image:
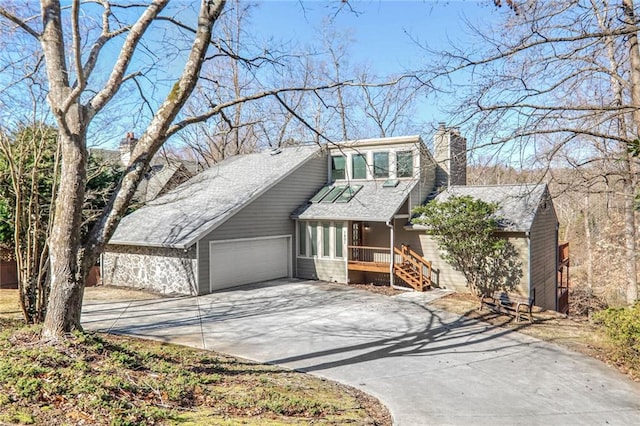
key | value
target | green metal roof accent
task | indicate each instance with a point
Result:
(349, 193)
(390, 183)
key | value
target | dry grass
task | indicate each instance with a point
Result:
(578, 334)
(9, 304)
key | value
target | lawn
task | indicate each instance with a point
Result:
(101, 379)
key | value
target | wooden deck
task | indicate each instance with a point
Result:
(408, 265)
(355, 265)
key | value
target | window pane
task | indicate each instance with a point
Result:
(339, 240)
(338, 163)
(359, 166)
(334, 194)
(314, 238)
(381, 164)
(404, 164)
(326, 236)
(302, 238)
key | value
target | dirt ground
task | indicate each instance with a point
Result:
(117, 293)
(575, 333)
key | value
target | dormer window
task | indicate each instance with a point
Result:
(381, 165)
(359, 166)
(404, 164)
(338, 167)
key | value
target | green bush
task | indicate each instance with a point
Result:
(622, 326)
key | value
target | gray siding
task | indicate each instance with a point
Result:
(332, 270)
(268, 215)
(443, 275)
(427, 182)
(544, 248)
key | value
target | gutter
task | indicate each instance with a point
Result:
(532, 291)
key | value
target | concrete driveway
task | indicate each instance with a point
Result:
(428, 366)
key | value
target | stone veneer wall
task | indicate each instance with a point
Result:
(158, 269)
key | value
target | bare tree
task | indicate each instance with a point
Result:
(28, 180)
(558, 82)
(75, 102)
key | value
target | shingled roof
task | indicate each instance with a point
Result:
(196, 207)
(372, 202)
(518, 204)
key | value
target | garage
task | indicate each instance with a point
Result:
(244, 261)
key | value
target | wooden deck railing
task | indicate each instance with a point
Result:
(409, 266)
(371, 259)
(563, 253)
(413, 268)
(563, 300)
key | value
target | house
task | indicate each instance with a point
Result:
(164, 172)
(529, 223)
(339, 213)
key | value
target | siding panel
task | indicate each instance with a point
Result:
(268, 215)
(444, 275)
(544, 247)
(331, 270)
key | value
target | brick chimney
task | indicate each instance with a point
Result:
(451, 157)
(126, 148)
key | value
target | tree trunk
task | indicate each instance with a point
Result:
(66, 256)
(587, 240)
(629, 181)
(70, 259)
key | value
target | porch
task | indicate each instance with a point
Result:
(407, 267)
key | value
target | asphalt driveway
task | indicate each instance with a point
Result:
(428, 366)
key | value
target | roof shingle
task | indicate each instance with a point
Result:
(182, 216)
(518, 204)
(372, 203)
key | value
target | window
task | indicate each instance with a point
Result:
(321, 194)
(359, 166)
(314, 238)
(326, 239)
(404, 164)
(348, 194)
(338, 167)
(381, 164)
(302, 238)
(334, 193)
(339, 242)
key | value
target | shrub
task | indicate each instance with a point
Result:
(622, 326)
(465, 230)
(584, 301)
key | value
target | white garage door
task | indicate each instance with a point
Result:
(244, 261)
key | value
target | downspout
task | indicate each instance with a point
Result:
(391, 245)
(555, 272)
(529, 272)
(393, 258)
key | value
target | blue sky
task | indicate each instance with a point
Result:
(382, 31)
(383, 34)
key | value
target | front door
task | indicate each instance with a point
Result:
(356, 239)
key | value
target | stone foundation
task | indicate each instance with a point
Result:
(161, 270)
